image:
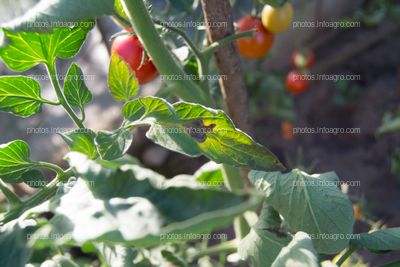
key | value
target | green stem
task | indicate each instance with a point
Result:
(209, 51)
(225, 247)
(346, 255)
(143, 26)
(12, 198)
(50, 102)
(45, 193)
(61, 98)
(201, 60)
(233, 181)
(184, 36)
(52, 167)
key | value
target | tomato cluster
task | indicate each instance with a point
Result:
(128, 47)
(273, 20)
(296, 80)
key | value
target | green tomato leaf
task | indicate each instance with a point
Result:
(173, 259)
(113, 145)
(261, 247)
(210, 174)
(122, 80)
(379, 240)
(60, 13)
(299, 252)
(14, 161)
(34, 178)
(81, 141)
(24, 50)
(20, 96)
(59, 261)
(117, 255)
(390, 126)
(14, 250)
(193, 129)
(136, 206)
(120, 10)
(310, 203)
(75, 89)
(264, 242)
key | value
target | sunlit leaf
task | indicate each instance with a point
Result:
(23, 50)
(14, 161)
(193, 129)
(20, 96)
(113, 145)
(122, 80)
(81, 141)
(75, 89)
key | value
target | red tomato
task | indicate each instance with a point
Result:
(131, 50)
(296, 82)
(257, 46)
(303, 59)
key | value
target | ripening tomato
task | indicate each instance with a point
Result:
(277, 19)
(302, 59)
(131, 50)
(296, 82)
(287, 130)
(357, 211)
(257, 46)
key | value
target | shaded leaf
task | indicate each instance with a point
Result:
(117, 255)
(14, 250)
(132, 205)
(34, 178)
(379, 240)
(265, 240)
(299, 252)
(173, 259)
(75, 89)
(193, 129)
(122, 80)
(59, 261)
(113, 145)
(20, 96)
(261, 247)
(52, 14)
(310, 203)
(14, 161)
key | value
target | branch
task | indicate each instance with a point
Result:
(228, 62)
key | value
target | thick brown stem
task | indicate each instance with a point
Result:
(219, 20)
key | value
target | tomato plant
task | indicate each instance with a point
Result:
(277, 19)
(130, 49)
(257, 46)
(113, 210)
(296, 82)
